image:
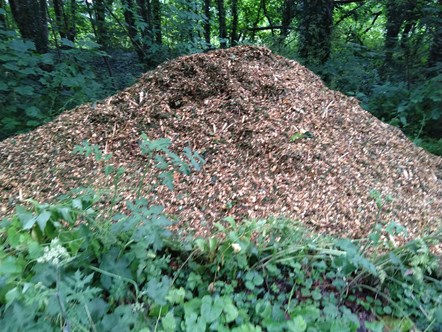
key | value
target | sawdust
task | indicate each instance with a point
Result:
(276, 141)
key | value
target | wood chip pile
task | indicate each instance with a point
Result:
(276, 141)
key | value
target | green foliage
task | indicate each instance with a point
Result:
(63, 265)
(36, 87)
(408, 107)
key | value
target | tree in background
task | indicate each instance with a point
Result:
(222, 23)
(288, 13)
(32, 22)
(384, 52)
(315, 30)
(234, 27)
(65, 18)
(207, 27)
(435, 56)
(2, 13)
(156, 22)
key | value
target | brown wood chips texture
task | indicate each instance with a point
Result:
(239, 107)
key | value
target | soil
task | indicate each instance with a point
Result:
(276, 140)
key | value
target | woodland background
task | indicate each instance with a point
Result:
(57, 54)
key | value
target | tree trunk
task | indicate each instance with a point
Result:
(207, 23)
(146, 16)
(129, 17)
(2, 14)
(222, 23)
(435, 55)
(316, 25)
(156, 21)
(234, 28)
(65, 23)
(287, 17)
(99, 7)
(31, 18)
(393, 27)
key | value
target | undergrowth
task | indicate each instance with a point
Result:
(73, 266)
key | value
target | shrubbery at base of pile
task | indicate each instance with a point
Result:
(76, 266)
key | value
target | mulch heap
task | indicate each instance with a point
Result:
(276, 140)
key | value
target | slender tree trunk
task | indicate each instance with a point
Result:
(31, 18)
(207, 23)
(222, 23)
(393, 27)
(99, 7)
(146, 16)
(287, 17)
(59, 17)
(316, 25)
(435, 55)
(129, 17)
(65, 23)
(234, 28)
(156, 21)
(72, 27)
(2, 16)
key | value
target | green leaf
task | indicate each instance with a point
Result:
(33, 112)
(211, 309)
(230, 311)
(176, 296)
(158, 290)
(10, 265)
(375, 326)
(296, 136)
(309, 313)
(67, 42)
(298, 324)
(168, 322)
(24, 90)
(27, 218)
(11, 295)
(167, 179)
(43, 218)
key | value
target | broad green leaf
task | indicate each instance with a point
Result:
(176, 295)
(211, 308)
(27, 218)
(168, 322)
(24, 90)
(10, 265)
(230, 311)
(297, 324)
(375, 326)
(43, 218)
(11, 295)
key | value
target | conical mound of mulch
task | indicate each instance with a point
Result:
(277, 142)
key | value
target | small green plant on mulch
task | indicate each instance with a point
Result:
(73, 266)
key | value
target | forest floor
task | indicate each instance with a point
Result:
(276, 140)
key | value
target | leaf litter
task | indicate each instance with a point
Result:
(276, 140)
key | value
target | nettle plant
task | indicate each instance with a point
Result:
(75, 266)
